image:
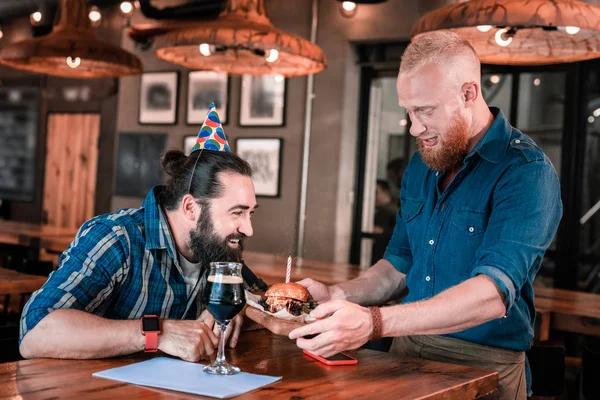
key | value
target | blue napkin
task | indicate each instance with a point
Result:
(182, 376)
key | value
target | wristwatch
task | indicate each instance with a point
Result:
(151, 329)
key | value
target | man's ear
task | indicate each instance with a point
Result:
(470, 92)
(190, 208)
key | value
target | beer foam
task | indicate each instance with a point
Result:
(227, 279)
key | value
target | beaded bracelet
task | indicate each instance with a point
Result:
(377, 323)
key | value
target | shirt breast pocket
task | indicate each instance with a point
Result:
(468, 228)
(410, 209)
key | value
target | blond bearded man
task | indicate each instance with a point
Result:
(480, 204)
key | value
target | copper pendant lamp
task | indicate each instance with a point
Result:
(522, 32)
(241, 41)
(71, 50)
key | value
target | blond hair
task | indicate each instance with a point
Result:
(439, 47)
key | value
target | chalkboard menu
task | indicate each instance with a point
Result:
(19, 121)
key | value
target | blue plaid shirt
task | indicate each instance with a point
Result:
(497, 217)
(122, 266)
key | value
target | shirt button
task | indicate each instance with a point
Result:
(427, 278)
(517, 141)
(471, 229)
(431, 242)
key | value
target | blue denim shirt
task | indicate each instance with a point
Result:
(497, 217)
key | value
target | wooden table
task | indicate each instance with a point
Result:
(13, 282)
(36, 235)
(377, 375)
(569, 311)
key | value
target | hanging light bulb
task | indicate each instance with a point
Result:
(273, 55)
(503, 38)
(73, 62)
(572, 30)
(95, 16)
(348, 9)
(35, 18)
(537, 81)
(126, 8)
(484, 28)
(494, 79)
(205, 49)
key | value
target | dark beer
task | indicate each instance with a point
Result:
(224, 296)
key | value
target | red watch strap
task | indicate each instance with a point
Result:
(151, 342)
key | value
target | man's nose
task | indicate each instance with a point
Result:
(416, 127)
(246, 227)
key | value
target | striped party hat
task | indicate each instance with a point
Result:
(211, 135)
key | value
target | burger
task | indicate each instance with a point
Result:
(292, 297)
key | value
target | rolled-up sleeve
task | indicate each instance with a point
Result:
(526, 211)
(88, 272)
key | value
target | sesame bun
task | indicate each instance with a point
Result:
(289, 290)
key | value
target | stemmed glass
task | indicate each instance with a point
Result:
(224, 298)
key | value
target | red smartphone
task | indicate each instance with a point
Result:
(336, 359)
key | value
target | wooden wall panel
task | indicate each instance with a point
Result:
(71, 164)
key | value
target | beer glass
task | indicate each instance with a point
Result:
(224, 298)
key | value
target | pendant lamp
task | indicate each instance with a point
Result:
(518, 32)
(241, 40)
(71, 50)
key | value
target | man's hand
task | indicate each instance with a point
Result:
(348, 327)
(232, 333)
(234, 326)
(187, 339)
(319, 292)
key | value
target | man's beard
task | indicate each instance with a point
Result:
(208, 247)
(451, 149)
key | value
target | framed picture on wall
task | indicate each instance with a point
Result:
(188, 142)
(158, 98)
(264, 156)
(262, 100)
(205, 87)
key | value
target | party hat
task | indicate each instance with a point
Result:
(211, 135)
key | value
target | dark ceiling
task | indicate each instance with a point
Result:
(201, 9)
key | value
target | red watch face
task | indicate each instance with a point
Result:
(150, 324)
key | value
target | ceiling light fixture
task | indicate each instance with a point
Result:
(95, 16)
(348, 9)
(72, 37)
(241, 41)
(533, 32)
(73, 62)
(35, 18)
(126, 8)
(504, 37)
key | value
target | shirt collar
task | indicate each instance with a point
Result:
(494, 143)
(156, 226)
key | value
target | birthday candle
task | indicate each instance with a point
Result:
(288, 272)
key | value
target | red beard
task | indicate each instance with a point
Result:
(451, 149)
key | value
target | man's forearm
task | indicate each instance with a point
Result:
(379, 284)
(471, 303)
(76, 334)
